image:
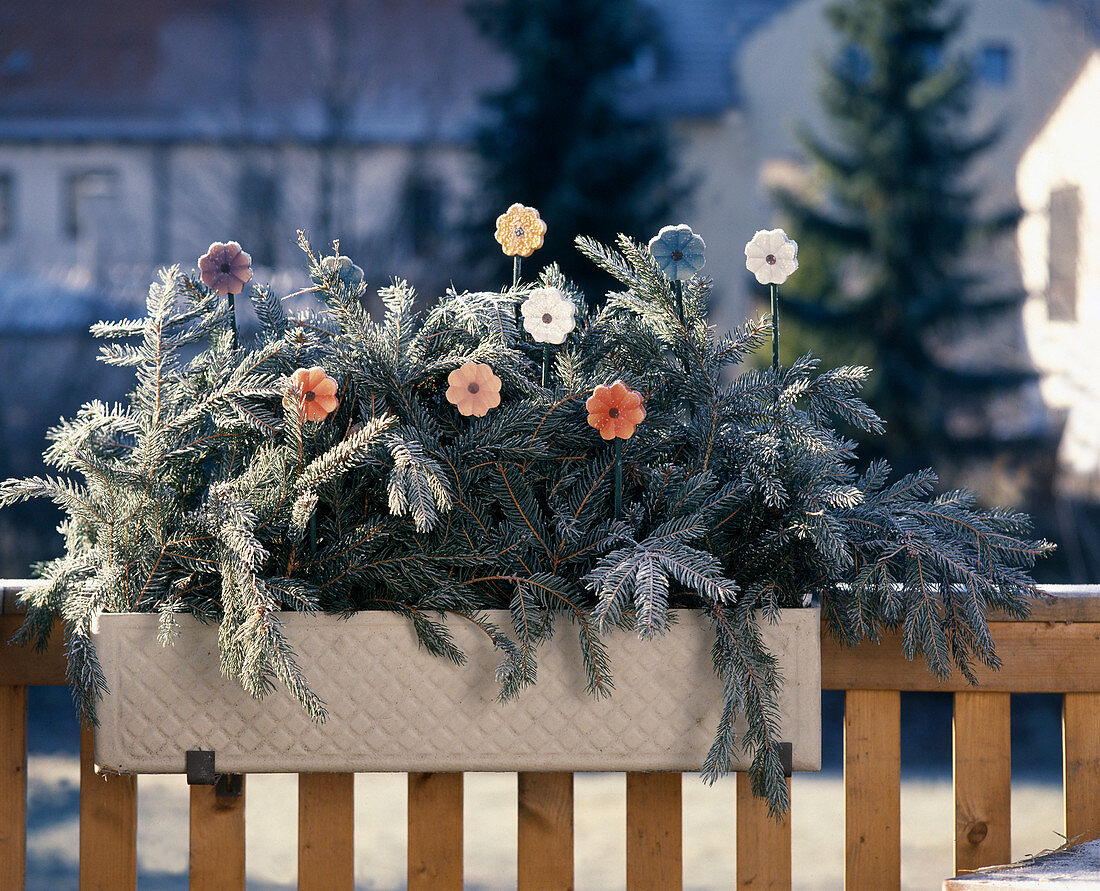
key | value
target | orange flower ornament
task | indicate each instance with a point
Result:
(313, 393)
(520, 231)
(615, 411)
(474, 389)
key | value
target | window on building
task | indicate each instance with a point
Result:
(259, 223)
(995, 64)
(89, 198)
(422, 200)
(7, 205)
(1065, 214)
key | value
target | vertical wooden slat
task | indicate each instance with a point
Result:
(326, 831)
(654, 831)
(217, 839)
(872, 789)
(13, 786)
(983, 780)
(545, 831)
(108, 825)
(1081, 767)
(435, 831)
(763, 845)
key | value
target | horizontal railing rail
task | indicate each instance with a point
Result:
(1057, 650)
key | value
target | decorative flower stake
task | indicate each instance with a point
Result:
(615, 411)
(771, 256)
(548, 316)
(226, 269)
(313, 394)
(345, 270)
(679, 253)
(520, 232)
(474, 389)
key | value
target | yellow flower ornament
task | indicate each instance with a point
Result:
(520, 231)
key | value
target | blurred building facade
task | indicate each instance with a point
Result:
(1059, 186)
(134, 133)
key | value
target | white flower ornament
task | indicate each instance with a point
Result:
(771, 256)
(548, 315)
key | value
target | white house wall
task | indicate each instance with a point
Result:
(170, 201)
(39, 173)
(1064, 153)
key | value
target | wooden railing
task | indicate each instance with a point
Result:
(1057, 651)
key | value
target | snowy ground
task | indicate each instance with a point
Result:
(490, 845)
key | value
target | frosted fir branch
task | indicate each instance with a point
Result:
(417, 484)
(346, 455)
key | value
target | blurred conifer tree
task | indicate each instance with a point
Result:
(895, 226)
(557, 139)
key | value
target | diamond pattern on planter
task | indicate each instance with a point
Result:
(394, 707)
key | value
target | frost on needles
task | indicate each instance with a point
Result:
(207, 493)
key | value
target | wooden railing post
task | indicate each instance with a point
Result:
(435, 832)
(654, 831)
(326, 831)
(763, 845)
(545, 831)
(108, 824)
(13, 786)
(983, 780)
(1081, 765)
(872, 789)
(217, 839)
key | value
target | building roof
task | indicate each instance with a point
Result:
(353, 70)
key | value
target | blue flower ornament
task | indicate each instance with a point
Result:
(678, 251)
(345, 270)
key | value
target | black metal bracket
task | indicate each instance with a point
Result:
(201, 772)
(200, 768)
(786, 758)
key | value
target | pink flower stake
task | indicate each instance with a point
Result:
(225, 269)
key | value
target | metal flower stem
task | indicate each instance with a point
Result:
(233, 321)
(515, 284)
(618, 509)
(545, 365)
(678, 290)
(775, 327)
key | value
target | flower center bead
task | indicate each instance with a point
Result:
(225, 267)
(472, 387)
(310, 395)
(612, 412)
(770, 259)
(547, 318)
(677, 256)
(519, 232)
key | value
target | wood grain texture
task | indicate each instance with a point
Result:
(1081, 765)
(545, 831)
(13, 786)
(326, 831)
(763, 845)
(872, 790)
(22, 665)
(435, 831)
(108, 825)
(654, 831)
(983, 779)
(217, 839)
(1039, 657)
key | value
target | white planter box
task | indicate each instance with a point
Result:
(394, 707)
